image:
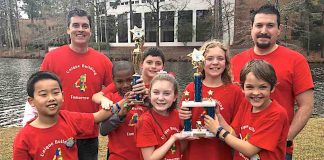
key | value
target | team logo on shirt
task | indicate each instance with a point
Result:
(58, 154)
(247, 137)
(254, 157)
(81, 83)
(173, 148)
(133, 120)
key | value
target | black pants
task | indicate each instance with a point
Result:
(108, 154)
(88, 149)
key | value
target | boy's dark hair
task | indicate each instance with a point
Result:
(155, 52)
(40, 75)
(122, 65)
(169, 78)
(77, 12)
(266, 9)
(261, 70)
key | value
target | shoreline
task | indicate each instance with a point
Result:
(172, 54)
(179, 58)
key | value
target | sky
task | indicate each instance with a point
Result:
(22, 13)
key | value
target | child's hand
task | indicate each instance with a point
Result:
(211, 124)
(106, 103)
(184, 113)
(139, 87)
(125, 105)
(180, 136)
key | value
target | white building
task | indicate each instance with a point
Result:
(182, 22)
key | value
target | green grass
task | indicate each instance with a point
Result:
(308, 144)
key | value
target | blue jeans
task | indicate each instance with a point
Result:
(88, 149)
(288, 156)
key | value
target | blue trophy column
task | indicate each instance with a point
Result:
(198, 98)
(211, 111)
(135, 78)
(198, 87)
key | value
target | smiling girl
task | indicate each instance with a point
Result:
(216, 80)
(157, 131)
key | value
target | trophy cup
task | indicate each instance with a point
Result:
(138, 37)
(208, 103)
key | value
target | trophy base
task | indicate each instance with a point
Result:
(209, 103)
(199, 133)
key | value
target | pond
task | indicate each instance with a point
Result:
(15, 72)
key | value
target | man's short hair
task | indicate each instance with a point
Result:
(266, 9)
(77, 12)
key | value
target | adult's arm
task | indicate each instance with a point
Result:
(305, 102)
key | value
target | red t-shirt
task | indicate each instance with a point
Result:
(229, 97)
(292, 71)
(121, 140)
(111, 88)
(48, 143)
(82, 75)
(149, 133)
(266, 129)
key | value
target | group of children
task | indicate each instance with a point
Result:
(255, 126)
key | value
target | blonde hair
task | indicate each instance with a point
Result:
(226, 75)
(169, 78)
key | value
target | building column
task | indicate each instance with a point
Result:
(175, 30)
(128, 27)
(143, 21)
(159, 23)
(116, 24)
(194, 26)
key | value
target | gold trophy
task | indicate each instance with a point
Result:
(208, 103)
(138, 37)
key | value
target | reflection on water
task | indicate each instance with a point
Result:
(14, 75)
(15, 72)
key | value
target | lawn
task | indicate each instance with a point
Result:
(308, 144)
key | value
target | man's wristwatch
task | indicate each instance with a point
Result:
(289, 143)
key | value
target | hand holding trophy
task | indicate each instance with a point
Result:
(208, 103)
(138, 37)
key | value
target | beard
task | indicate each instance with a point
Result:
(263, 45)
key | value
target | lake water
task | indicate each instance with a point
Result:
(15, 72)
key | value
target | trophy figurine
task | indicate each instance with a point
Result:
(208, 103)
(138, 37)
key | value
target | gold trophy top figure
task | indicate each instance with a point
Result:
(197, 60)
(138, 37)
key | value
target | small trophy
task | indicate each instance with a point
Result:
(208, 103)
(138, 37)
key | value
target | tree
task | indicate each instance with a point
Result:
(32, 9)
(8, 25)
(223, 16)
(307, 28)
